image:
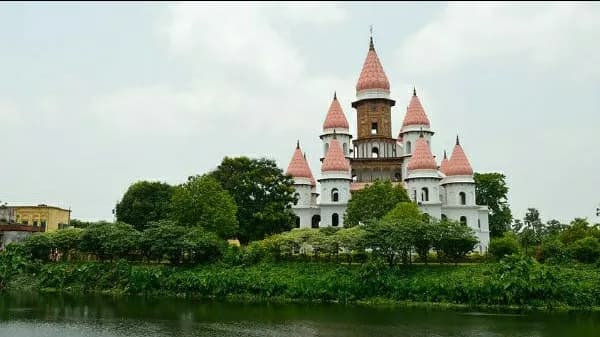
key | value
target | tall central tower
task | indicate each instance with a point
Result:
(376, 154)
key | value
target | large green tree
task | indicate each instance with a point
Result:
(144, 202)
(491, 190)
(202, 202)
(263, 194)
(373, 202)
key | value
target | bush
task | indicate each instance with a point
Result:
(586, 250)
(553, 251)
(163, 239)
(503, 246)
(38, 246)
(66, 241)
(110, 240)
(202, 246)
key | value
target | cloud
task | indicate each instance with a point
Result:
(543, 36)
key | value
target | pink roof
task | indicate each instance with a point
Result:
(444, 164)
(372, 75)
(298, 167)
(415, 114)
(335, 116)
(335, 160)
(458, 165)
(422, 158)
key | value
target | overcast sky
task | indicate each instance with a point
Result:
(96, 96)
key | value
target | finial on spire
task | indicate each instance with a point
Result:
(371, 45)
(445, 156)
(335, 95)
(334, 134)
(414, 91)
(457, 141)
(304, 155)
(421, 133)
(298, 144)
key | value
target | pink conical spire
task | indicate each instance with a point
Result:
(335, 160)
(458, 165)
(421, 159)
(372, 75)
(444, 164)
(335, 116)
(415, 114)
(298, 167)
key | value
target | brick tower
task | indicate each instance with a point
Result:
(376, 153)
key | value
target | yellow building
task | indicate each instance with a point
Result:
(49, 217)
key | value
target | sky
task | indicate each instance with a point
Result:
(94, 97)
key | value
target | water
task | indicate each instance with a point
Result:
(93, 316)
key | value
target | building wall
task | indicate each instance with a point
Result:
(7, 214)
(374, 111)
(53, 217)
(452, 193)
(476, 219)
(343, 138)
(12, 236)
(327, 212)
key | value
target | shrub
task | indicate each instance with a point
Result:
(553, 251)
(66, 241)
(38, 246)
(586, 250)
(503, 246)
(110, 240)
(202, 246)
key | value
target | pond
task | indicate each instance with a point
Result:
(53, 315)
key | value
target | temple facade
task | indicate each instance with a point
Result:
(348, 164)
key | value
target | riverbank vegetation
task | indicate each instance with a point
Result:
(173, 240)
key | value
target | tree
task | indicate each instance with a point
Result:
(404, 210)
(144, 202)
(202, 202)
(586, 250)
(491, 190)
(163, 239)
(578, 229)
(389, 239)
(373, 202)
(203, 246)
(38, 246)
(110, 240)
(455, 240)
(263, 194)
(66, 241)
(503, 246)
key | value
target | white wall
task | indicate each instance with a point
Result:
(343, 138)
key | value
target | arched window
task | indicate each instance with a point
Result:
(335, 220)
(296, 198)
(345, 149)
(444, 217)
(335, 195)
(373, 128)
(425, 194)
(463, 198)
(408, 148)
(316, 220)
(297, 222)
(463, 220)
(375, 152)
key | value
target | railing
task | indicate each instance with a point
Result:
(19, 228)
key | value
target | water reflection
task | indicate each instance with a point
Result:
(31, 315)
